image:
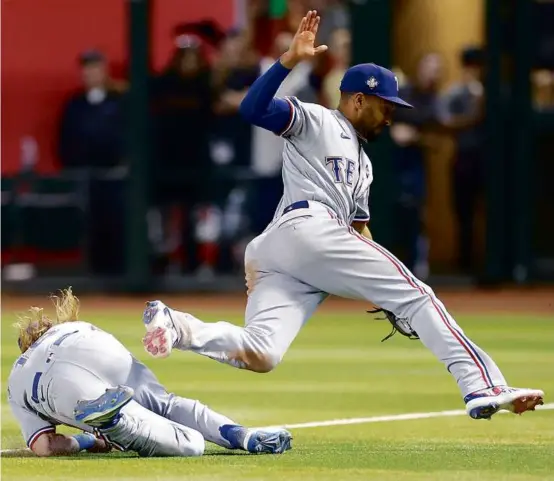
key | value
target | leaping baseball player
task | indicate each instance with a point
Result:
(319, 242)
(72, 373)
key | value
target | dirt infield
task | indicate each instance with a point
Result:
(532, 300)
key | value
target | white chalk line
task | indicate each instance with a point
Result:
(382, 419)
(347, 421)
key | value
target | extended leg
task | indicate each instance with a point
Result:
(150, 394)
(349, 265)
(277, 309)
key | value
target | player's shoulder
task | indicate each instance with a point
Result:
(309, 107)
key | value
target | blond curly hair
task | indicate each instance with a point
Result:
(34, 323)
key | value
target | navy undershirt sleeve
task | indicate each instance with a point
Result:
(260, 108)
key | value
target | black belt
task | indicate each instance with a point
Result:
(301, 204)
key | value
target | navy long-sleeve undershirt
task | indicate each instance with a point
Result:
(261, 108)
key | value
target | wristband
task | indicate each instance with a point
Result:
(85, 440)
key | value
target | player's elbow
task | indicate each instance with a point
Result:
(43, 452)
(247, 109)
(43, 446)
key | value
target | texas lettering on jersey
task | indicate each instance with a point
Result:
(342, 174)
(323, 161)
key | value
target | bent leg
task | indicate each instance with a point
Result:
(149, 434)
(150, 394)
(199, 417)
(138, 429)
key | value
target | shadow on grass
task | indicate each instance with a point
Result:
(26, 453)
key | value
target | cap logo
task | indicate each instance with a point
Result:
(372, 83)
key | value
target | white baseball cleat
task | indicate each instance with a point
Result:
(483, 404)
(160, 329)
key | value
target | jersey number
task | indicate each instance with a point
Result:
(342, 169)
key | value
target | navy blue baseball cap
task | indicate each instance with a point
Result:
(371, 79)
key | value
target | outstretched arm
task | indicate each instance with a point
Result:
(52, 444)
(259, 107)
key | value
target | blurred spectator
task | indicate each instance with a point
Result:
(92, 128)
(182, 101)
(234, 71)
(340, 46)
(268, 19)
(92, 140)
(182, 107)
(407, 133)
(462, 110)
(334, 16)
(400, 76)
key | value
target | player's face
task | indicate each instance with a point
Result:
(374, 115)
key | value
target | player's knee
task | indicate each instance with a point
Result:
(257, 355)
(259, 352)
(265, 362)
(259, 360)
(196, 444)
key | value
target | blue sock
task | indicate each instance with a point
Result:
(235, 434)
(85, 440)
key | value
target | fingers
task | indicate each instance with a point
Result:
(314, 22)
(315, 25)
(302, 25)
(309, 23)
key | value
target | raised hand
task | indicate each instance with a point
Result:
(302, 46)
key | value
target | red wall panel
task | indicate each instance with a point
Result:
(41, 40)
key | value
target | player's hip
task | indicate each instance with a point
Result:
(263, 246)
(292, 239)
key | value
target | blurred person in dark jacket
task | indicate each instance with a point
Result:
(407, 133)
(462, 111)
(235, 71)
(182, 107)
(92, 125)
(92, 141)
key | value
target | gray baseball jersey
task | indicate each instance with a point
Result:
(75, 361)
(323, 161)
(25, 395)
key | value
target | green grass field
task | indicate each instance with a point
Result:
(337, 368)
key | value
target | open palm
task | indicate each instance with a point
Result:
(303, 46)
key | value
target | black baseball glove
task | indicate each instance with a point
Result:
(398, 325)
